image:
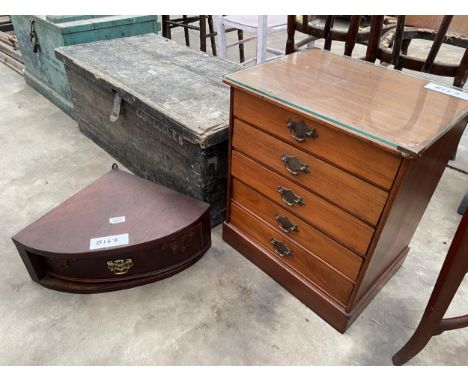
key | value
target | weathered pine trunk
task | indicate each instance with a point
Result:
(170, 111)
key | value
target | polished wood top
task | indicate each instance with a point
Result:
(384, 105)
(152, 212)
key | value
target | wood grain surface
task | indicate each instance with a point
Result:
(341, 188)
(307, 236)
(329, 219)
(387, 106)
(152, 212)
(167, 232)
(315, 270)
(361, 158)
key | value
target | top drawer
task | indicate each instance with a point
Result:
(361, 158)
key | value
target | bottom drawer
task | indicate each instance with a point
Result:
(131, 264)
(315, 270)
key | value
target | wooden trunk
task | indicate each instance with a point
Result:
(43, 71)
(171, 111)
(76, 247)
(332, 163)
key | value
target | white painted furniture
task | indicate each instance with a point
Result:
(262, 26)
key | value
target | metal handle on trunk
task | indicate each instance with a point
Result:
(116, 108)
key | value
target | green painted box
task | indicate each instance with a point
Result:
(38, 37)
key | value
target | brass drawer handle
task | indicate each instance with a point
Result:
(294, 165)
(281, 249)
(120, 267)
(285, 224)
(289, 197)
(300, 131)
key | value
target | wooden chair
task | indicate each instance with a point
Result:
(186, 23)
(450, 277)
(357, 32)
(392, 47)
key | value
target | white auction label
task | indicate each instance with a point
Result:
(117, 220)
(447, 90)
(108, 241)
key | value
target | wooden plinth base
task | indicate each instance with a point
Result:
(331, 311)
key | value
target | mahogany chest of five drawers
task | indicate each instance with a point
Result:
(332, 162)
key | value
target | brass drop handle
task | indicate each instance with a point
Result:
(281, 249)
(294, 165)
(285, 224)
(300, 131)
(289, 197)
(120, 267)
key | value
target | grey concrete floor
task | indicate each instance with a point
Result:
(221, 311)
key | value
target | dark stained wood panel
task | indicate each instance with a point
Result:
(68, 228)
(76, 248)
(415, 186)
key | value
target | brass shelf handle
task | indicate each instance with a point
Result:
(120, 267)
(289, 197)
(300, 131)
(294, 165)
(285, 224)
(281, 249)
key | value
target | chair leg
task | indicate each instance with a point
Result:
(212, 34)
(261, 38)
(291, 33)
(221, 36)
(405, 46)
(203, 33)
(186, 31)
(166, 28)
(450, 277)
(416, 343)
(240, 37)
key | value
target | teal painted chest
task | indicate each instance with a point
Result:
(38, 37)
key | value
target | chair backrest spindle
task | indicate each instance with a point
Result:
(400, 29)
(439, 39)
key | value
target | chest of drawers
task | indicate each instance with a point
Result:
(332, 162)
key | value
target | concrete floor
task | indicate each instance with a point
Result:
(221, 311)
